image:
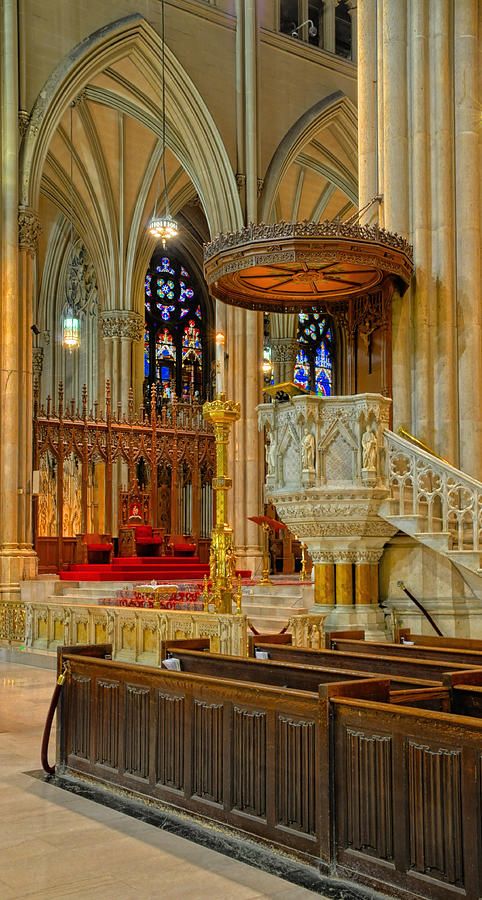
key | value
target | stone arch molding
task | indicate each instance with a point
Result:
(197, 142)
(336, 108)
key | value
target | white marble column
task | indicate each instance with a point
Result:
(443, 255)
(353, 13)
(121, 330)
(367, 109)
(251, 109)
(395, 189)
(17, 559)
(424, 316)
(467, 233)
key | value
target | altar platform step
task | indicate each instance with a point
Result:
(139, 568)
(269, 607)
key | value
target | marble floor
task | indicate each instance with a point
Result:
(55, 845)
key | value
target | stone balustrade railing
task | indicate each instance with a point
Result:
(443, 497)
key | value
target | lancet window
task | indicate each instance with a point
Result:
(174, 340)
(314, 362)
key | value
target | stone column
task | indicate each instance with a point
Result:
(121, 328)
(17, 559)
(362, 583)
(329, 7)
(251, 109)
(324, 583)
(284, 345)
(395, 187)
(467, 233)
(344, 584)
(423, 332)
(443, 257)
(367, 109)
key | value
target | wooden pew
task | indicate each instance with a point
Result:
(465, 693)
(404, 690)
(419, 651)
(383, 665)
(253, 639)
(350, 634)
(340, 778)
(429, 640)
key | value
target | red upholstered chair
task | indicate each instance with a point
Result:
(95, 548)
(180, 546)
(149, 540)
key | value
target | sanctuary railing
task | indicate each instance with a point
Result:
(444, 499)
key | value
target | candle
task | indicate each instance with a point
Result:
(219, 362)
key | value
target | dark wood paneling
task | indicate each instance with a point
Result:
(249, 761)
(136, 725)
(108, 723)
(170, 744)
(435, 812)
(369, 822)
(80, 716)
(208, 751)
(296, 774)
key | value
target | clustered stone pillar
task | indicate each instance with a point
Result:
(347, 582)
(20, 229)
(419, 148)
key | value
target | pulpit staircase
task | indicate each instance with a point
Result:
(436, 504)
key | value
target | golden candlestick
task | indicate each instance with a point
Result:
(303, 563)
(266, 560)
(222, 559)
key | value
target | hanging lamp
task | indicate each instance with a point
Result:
(163, 226)
(71, 322)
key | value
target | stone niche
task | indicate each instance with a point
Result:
(325, 461)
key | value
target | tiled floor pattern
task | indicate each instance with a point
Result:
(56, 845)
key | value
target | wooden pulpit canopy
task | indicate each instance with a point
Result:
(291, 266)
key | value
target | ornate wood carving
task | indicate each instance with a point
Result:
(296, 775)
(136, 727)
(249, 761)
(369, 775)
(80, 700)
(208, 751)
(170, 744)
(435, 812)
(108, 723)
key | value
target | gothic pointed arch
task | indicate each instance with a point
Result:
(332, 162)
(192, 134)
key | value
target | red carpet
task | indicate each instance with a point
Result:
(140, 568)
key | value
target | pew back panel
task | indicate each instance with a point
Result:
(408, 798)
(418, 651)
(429, 640)
(292, 673)
(189, 741)
(381, 665)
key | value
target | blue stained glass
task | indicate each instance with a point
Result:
(147, 286)
(184, 272)
(165, 373)
(185, 293)
(165, 311)
(165, 289)
(184, 312)
(198, 312)
(166, 266)
(146, 354)
(302, 369)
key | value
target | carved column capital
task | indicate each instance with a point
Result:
(23, 122)
(28, 229)
(284, 350)
(122, 323)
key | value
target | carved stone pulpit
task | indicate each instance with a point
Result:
(326, 478)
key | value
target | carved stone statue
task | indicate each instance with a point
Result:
(369, 448)
(308, 451)
(270, 451)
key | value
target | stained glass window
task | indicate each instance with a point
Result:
(314, 363)
(174, 337)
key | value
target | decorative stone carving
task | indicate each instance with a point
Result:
(37, 361)
(122, 323)
(240, 181)
(284, 350)
(23, 122)
(81, 288)
(28, 230)
(318, 484)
